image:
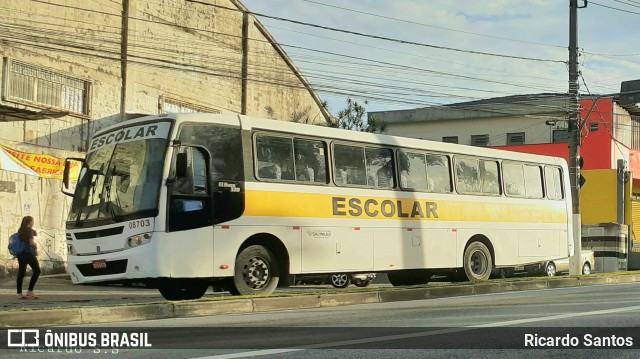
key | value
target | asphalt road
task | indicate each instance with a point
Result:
(480, 326)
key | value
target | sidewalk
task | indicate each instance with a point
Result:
(57, 291)
(63, 303)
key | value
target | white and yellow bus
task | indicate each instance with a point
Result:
(194, 200)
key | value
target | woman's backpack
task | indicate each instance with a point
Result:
(16, 245)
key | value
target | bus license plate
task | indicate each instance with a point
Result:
(99, 264)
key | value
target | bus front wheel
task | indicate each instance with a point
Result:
(477, 262)
(256, 272)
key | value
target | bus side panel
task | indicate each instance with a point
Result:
(440, 247)
(188, 253)
(506, 248)
(535, 245)
(406, 248)
(326, 248)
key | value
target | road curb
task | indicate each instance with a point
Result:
(113, 314)
(593, 280)
(489, 288)
(39, 318)
(563, 283)
(286, 303)
(96, 315)
(454, 291)
(404, 295)
(528, 285)
(204, 308)
(340, 299)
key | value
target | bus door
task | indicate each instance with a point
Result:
(190, 201)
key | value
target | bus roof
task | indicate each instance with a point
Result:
(329, 133)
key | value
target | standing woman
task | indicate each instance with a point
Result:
(27, 234)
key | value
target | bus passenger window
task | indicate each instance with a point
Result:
(341, 176)
(553, 180)
(513, 179)
(413, 171)
(349, 160)
(533, 181)
(380, 167)
(467, 180)
(310, 161)
(489, 177)
(304, 171)
(275, 160)
(438, 173)
(224, 145)
(270, 171)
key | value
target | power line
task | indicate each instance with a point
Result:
(398, 66)
(631, 3)
(614, 8)
(399, 52)
(161, 62)
(432, 26)
(384, 38)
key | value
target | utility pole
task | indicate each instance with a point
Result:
(124, 54)
(574, 134)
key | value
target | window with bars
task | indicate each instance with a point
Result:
(561, 135)
(172, 105)
(450, 139)
(480, 140)
(41, 87)
(516, 138)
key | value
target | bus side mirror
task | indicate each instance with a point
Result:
(71, 171)
(181, 165)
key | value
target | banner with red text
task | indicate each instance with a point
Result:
(35, 164)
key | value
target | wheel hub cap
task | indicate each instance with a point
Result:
(256, 273)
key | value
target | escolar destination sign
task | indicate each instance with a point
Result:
(129, 134)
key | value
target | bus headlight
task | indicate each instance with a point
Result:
(138, 240)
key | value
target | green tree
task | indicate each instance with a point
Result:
(352, 117)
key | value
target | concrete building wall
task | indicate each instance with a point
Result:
(497, 128)
(176, 51)
(495, 117)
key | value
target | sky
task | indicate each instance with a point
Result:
(404, 54)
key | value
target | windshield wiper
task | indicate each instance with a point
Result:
(93, 188)
(108, 186)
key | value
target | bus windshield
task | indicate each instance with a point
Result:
(122, 174)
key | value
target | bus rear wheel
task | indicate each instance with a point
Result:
(183, 289)
(256, 272)
(477, 262)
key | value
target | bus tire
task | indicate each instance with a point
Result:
(408, 277)
(183, 289)
(477, 262)
(256, 272)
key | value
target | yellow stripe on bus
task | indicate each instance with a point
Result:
(289, 204)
